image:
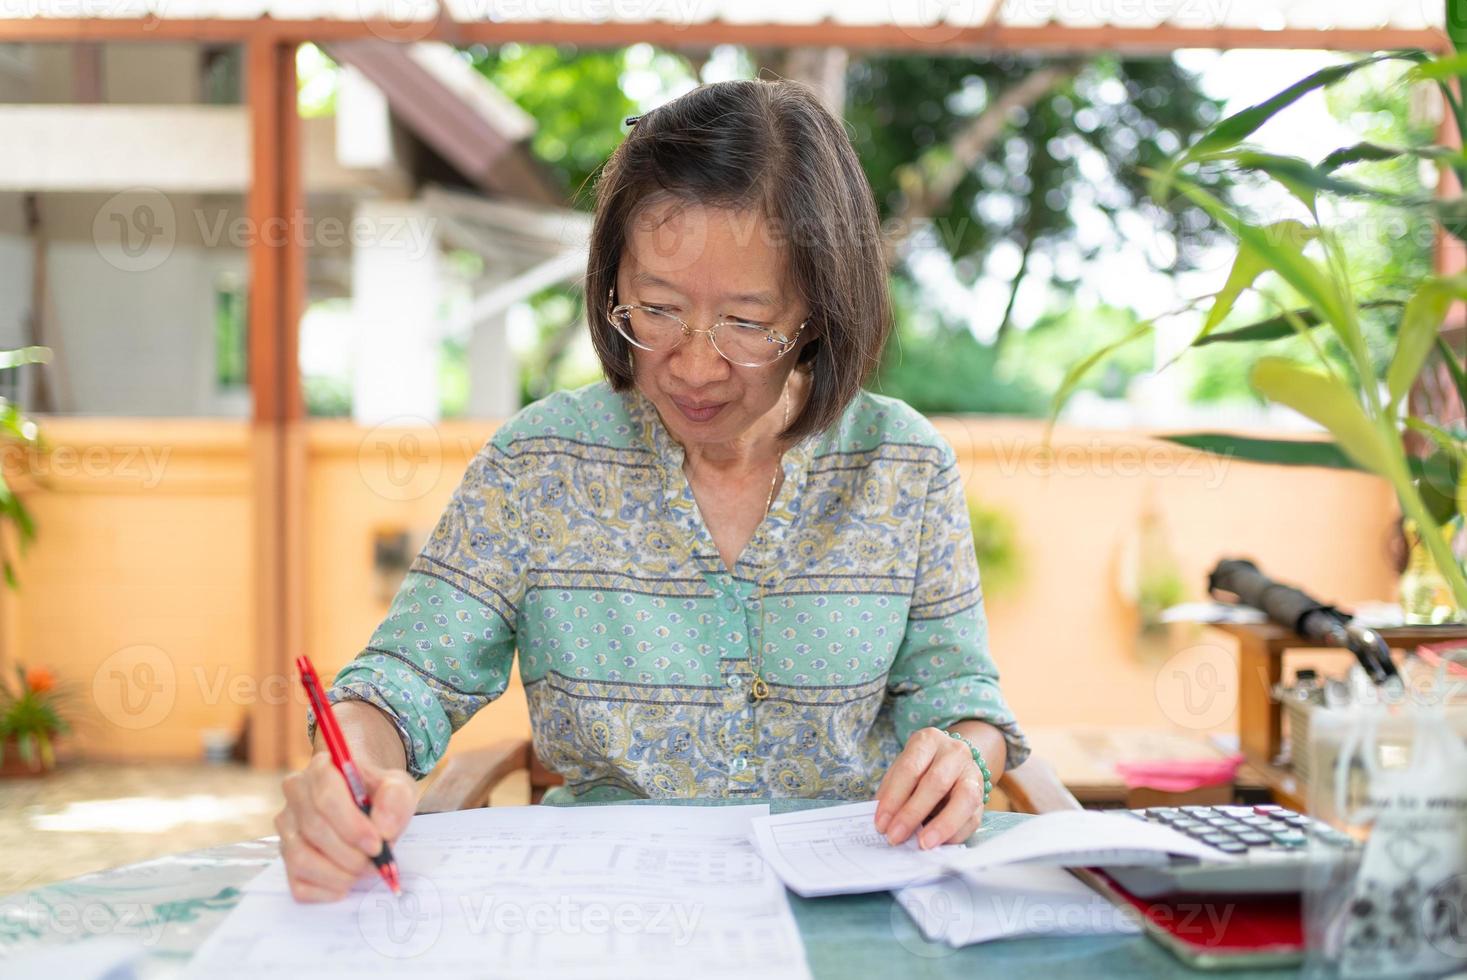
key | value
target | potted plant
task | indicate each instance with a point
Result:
(1364, 408)
(30, 721)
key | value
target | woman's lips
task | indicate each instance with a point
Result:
(698, 411)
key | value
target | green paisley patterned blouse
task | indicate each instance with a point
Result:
(575, 539)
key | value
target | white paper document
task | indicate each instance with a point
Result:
(549, 892)
(837, 851)
(998, 903)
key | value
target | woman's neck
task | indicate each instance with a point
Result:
(755, 448)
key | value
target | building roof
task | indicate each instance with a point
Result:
(869, 23)
(1260, 14)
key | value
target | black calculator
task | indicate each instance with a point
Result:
(1276, 848)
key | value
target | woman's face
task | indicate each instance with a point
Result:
(706, 264)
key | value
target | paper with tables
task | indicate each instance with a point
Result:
(550, 892)
(836, 850)
(1019, 900)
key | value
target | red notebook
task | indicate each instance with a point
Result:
(1216, 931)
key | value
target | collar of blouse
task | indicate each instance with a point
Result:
(757, 560)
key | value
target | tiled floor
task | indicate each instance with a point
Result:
(90, 816)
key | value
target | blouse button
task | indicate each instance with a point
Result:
(735, 681)
(740, 764)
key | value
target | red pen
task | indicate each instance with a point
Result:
(341, 758)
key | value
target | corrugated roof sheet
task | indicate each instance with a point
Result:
(916, 14)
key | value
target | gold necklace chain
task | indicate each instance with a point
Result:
(759, 689)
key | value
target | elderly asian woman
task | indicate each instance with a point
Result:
(727, 569)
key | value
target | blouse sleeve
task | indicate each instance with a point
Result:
(943, 673)
(447, 644)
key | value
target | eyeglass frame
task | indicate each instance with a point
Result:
(787, 344)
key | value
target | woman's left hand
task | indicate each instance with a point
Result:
(933, 781)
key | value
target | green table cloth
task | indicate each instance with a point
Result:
(170, 904)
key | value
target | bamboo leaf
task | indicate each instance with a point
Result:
(1368, 152)
(1420, 326)
(1278, 452)
(1332, 404)
(1077, 373)
(1456, 27)
(1450, 444)
(1279, 327)
(1285, 257)
(1439, 68)
(1247, 267)
(24, 355)
(1303, 179)
(1455, 367)
(1241, 125)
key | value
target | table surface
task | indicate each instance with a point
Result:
(172, 903)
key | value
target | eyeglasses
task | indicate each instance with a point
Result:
(737, 341)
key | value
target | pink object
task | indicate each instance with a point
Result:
(1179, 775)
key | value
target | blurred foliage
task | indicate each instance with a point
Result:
(326, 397)
(576, 98)
(1082, 146)
(1077, 154)
(938, 369)
(995, 542)
(1387, 245)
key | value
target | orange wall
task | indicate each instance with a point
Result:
(138, 588)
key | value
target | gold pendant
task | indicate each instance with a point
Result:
(760, 689)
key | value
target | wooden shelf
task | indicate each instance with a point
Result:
(1261, 648)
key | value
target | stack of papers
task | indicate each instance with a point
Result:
(837, 851)
(1001, 903)
(1011, 884)
(550, 892)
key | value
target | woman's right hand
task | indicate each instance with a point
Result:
(325, 840)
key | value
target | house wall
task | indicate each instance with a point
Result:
(138, 588)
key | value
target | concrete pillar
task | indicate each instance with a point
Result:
(396, 299)
(493, 371)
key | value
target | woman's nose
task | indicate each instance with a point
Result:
(697, 362)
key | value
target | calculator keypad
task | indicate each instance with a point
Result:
(1251, 830)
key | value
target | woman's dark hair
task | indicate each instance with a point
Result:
(772, 147)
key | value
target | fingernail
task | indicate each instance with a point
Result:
(370, 844)
(882, 819)
(927, 840)
(896, 833)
